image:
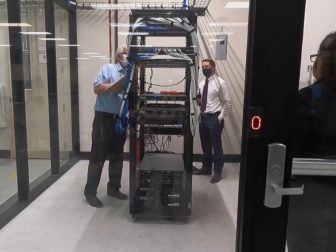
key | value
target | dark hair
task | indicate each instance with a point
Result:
(326, 59)
(211, 61)
(328, 43)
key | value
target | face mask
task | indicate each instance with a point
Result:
(123, 62)
(207, 72)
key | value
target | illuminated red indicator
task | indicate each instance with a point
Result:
(256, 122)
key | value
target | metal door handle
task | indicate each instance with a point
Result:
(275, 176)
(288, 191)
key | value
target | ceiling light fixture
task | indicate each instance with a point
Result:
(133, 33)
(229, 24)
(15, 25)
(35, 33)
(237, 5)
(68, 45)
(90, 53)
(52, 39)
(125, 25)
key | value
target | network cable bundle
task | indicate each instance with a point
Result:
(160, 181)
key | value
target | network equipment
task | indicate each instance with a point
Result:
(160, 181)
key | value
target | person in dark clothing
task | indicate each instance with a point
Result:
(312, 216)
(108, 87)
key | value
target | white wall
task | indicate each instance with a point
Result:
(319, 21)
(236, 26)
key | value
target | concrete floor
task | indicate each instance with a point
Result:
(61, 220)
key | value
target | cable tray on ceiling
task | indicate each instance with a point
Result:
(193, 4)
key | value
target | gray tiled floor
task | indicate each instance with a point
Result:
(60, 220)
(8, 176)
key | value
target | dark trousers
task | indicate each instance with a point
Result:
(105, 143)
(210, 130)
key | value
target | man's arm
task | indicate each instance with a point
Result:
(115, 87)
(225, 99)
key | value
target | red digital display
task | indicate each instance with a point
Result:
(256, 123)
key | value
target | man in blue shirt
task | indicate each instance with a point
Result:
(108, 86)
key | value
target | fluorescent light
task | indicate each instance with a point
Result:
(232, 24)
(35, 33)
(133, 33)
(68, 45)
(14, 24)
(54, 39)
(5, 45)
(90, 53)
(141, 46)
(214, 33)
(119, 6)
(125, 25)
(120, 25)
(82, 58)
(98, 56)
(106, 6)
(237, 5)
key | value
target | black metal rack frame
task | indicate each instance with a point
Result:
(138, 99)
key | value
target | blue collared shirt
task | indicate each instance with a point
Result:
(109, 102)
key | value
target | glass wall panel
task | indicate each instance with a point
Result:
(36, 87)
(63, 82)
(312, 216)
(8, 185)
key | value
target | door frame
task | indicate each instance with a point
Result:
(272, 78)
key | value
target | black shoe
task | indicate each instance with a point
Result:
(216, 178)
(202, 171)
(117, 194)
(93, 201)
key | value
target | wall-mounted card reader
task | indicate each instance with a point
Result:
(221, 46)
(275, 175)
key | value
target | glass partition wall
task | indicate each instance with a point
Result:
(37, 90)
(312, 216)
(36, 87)
(8, 184)
(63, 82)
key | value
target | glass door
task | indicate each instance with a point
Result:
(36, 87)
(280, 208)
(272, 78)
(8, 180)
(63, 82)
(312, 216)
